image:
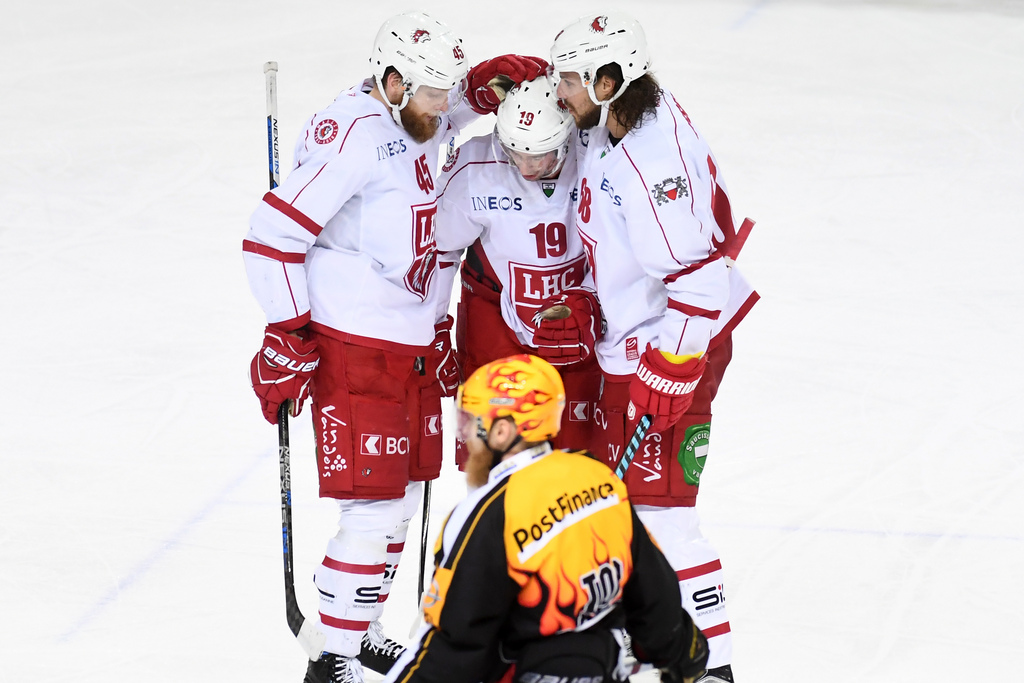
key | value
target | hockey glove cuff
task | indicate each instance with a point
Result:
(567, 327)
(283, 370)
(442, 358)
(663, 389)
(489, 80)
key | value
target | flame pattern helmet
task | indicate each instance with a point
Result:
(593, 41)
(422, 49)
(526, 388)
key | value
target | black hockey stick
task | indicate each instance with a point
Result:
(423, 540)
(633, 666)
(634, 443)
(310, 638)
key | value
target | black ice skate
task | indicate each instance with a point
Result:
(379, 653)
(720, 674)
(332, 668)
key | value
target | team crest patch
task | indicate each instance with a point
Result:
(325, 132)
(449, 162)
(548, 188)
(670, 189)
(599, 24)
(420, 36)
(694, 451)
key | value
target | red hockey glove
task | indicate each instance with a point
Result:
(662, 389)
(491, 79)
(567, 327)
(283, 370)
(441, 360)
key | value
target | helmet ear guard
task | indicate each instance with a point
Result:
(422, 50)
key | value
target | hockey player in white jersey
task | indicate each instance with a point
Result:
(526, 287)
(657, 227)
(342, 258)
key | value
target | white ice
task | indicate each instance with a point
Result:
(864, 483)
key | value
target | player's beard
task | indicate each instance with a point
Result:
(421, 127)
(478, 464)
(589, 118)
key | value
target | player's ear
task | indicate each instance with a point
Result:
(604, 87)
(393, 86)
(503, 432)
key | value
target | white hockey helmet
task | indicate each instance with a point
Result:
(593, 41)
(533, 128)
(423, 50)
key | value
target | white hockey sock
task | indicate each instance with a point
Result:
(349, 582)
(697, 564)
(396, 540)
(351, 578)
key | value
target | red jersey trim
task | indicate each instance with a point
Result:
(740, 314)
(291, 212)
(369, 342)
(271, 253)
(464, 167)
(651, 202)
(292, 324)
(692, 268)
(687, 309)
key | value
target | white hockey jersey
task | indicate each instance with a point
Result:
(525, 227)
(654, 216)
(347, 240)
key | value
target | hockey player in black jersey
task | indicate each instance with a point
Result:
(539, 570)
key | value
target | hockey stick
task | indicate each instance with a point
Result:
(634, 667)
(270, 73)
(310, 638)
(423, 540)
(632, 446)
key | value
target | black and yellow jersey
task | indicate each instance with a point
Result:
(550, 545)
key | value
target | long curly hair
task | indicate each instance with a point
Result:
(638, 102)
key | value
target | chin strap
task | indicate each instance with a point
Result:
(605, 104)
(496, 455)
(395, 108)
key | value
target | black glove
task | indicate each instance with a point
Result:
(689, 666)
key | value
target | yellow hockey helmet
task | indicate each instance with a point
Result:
(526, 388)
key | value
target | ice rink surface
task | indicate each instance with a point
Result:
(866, 469)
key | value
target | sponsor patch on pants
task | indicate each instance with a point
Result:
(694, 451)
